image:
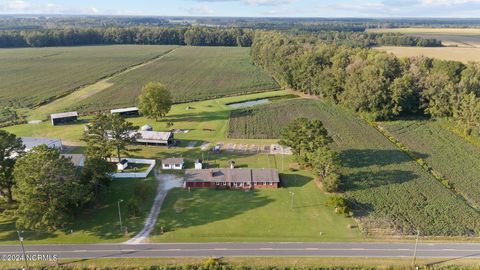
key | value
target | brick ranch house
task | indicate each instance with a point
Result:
(232, 178)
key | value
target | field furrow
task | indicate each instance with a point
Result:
(455, 159)
(388, 189)
(191, 74)
(33, 76)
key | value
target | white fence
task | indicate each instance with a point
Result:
(143, 174)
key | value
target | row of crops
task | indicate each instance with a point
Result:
(191, 74)
(34, 76)
(387, 188)
(452, 157)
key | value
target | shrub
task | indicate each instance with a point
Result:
(331, 182)
(133, 208)
(340, 204)
(140, 190)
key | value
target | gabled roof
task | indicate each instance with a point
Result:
(232, 175)
(63, 115)
(148, 135)
(172, 161)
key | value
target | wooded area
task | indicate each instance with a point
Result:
(194, 36)
(372, 82)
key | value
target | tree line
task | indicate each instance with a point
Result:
(194, 36)
(368, 39)
(375, 83)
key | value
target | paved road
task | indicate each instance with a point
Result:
(377, 250)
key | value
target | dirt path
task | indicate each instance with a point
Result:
(59, 104)
(166, 183)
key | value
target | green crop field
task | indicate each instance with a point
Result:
(389, 189)
(190, 73)
(265, 122)
(34, 76)
(451, 156)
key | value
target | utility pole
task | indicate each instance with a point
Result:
(415, 250)
(23, 249)
(292, 194)
(120, 214)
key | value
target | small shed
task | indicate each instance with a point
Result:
(122, 165)
(198, 164)
(173, 164)
(131, 111)
(63, 118)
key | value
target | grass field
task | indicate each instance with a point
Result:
(324, 263)
(99, 224)
(461, 54)
(206, 120)
(308, 219)
(190, 73)
(258, 215)
(455, 159)
(388, 188)
(461, 37)
(33, 76)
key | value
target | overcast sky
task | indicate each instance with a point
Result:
(249, 8)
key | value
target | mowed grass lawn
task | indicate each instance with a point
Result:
(454, 158)
(191, 74)
(258, 215)
(390, 192)
(100, 223)
(32, 76)
(207, 121)
(309, 220)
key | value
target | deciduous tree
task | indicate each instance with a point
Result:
(305, 136)
(155, 101)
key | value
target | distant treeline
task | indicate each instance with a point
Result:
(38, 22)
(195, 36)
(372, 82)
(366, 39)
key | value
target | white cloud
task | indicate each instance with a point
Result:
(255, 2)
(200, 10)
(24, 7)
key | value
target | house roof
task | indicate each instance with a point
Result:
(147, 135)
(63, 115)
(130, 109)
(172, 161)
(30, 142)
(78, 160)
(232, 175)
